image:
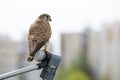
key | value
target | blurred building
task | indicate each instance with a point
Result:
(102, 50)
(111, 49)
(72, 45)
(93, 51)
(8, 55)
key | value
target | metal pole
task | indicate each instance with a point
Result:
(49, 63)
(19, 71)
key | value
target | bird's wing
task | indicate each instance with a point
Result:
(39, 34)
(34, 46)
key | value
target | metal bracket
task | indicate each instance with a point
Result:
(49, 71)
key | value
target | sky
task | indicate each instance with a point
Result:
(16, 16)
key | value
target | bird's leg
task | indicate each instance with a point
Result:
(46, 46)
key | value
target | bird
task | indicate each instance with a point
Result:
(39, 35)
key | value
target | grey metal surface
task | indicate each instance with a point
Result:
(19, 71)
(40, 55)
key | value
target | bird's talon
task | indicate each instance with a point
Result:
(46, 51)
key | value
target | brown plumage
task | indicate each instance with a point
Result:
(39, 34)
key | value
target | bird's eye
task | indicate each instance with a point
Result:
(48, 17)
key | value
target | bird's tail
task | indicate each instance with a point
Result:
(30, 55)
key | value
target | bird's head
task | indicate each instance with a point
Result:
(45, 17)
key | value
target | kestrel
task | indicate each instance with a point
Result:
(39, 34)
